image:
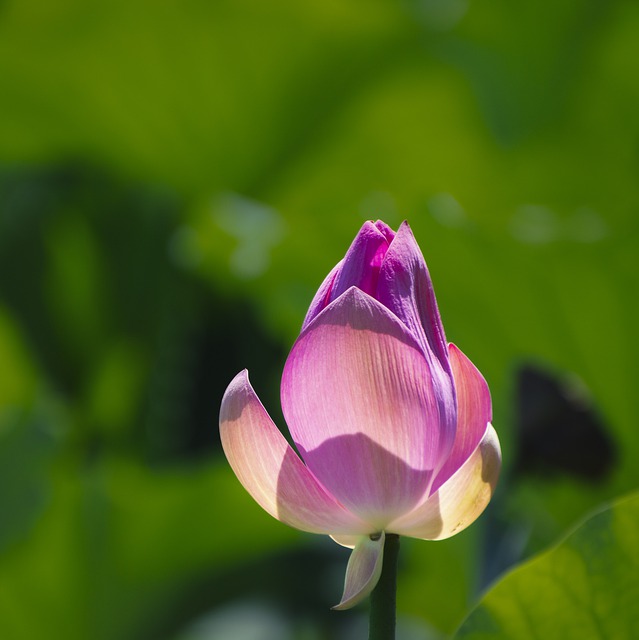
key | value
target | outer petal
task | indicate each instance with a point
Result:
(358, 398)
(459, 501)
(474, 411)
(363, 570)
(270, 470)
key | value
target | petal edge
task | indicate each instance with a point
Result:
(474, 411)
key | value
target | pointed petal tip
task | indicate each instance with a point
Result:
(363, 571)
(240, 380)
(387, 231)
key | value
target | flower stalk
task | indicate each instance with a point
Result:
(382, 600)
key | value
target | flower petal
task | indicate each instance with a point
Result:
(359, 268)
(363, 570)
(362, 261)
(474, 410)
(384, 229)
(323, 296)
(461, 499)
(272, 472)
(357, 395)
(406, 289)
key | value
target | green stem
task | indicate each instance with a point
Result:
(382, 614)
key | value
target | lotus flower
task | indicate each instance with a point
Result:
(391, 422)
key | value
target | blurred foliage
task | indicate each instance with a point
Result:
(176, 178)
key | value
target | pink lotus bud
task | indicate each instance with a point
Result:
(391, 422)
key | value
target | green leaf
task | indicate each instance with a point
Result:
(586, 587)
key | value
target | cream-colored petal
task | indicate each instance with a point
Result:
(363, 570)
(460, 500)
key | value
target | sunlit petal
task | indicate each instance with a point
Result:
(272, 472)
(461, 499)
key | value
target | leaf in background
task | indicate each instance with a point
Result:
(586, 587)
(31, 427)
(28, 444)
(18, 375)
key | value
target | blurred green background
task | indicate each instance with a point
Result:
(177, 177)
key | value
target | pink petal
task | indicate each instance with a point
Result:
(461, 499)
(406, 289)
(271, 471)
(384, 229)
(357, 395)
(359, 268)
(362, 261)
(474, 410)
(323, 296)
(363, 571)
